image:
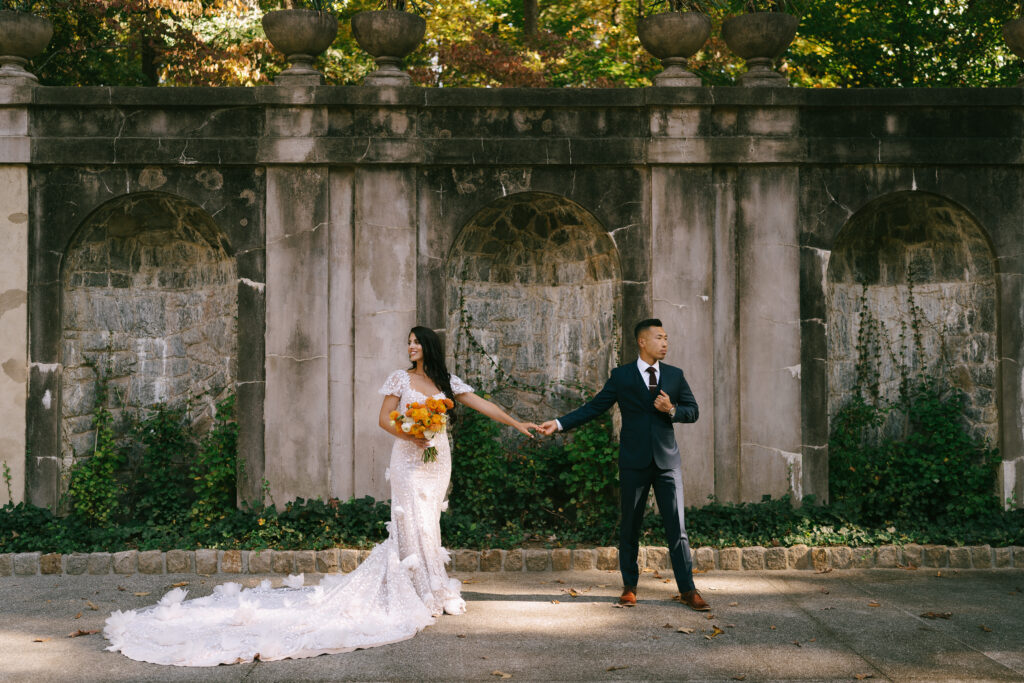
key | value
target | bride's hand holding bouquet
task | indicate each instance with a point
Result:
(424, 421)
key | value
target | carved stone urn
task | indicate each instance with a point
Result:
(389, 35)
(760, 38)
(674, 37)
(301, 34)
(1013, 34)
(22, 37)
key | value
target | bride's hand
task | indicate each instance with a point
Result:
(525, 427)
(418, 440)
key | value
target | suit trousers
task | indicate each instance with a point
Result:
(635, 486)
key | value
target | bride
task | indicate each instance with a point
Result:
(397, 591)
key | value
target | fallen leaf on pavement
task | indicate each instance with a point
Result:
(740, 677)
(657, 575)
(40, 640)
(83, 632)
(825, 591)
(709, 617)
(616, 668)
(909, 567)
(861, 677)
(91, 606)
(824, 570)
(500, 674)
(683, 629)
(938, 575)
(772, 627)
(874, 604)
(730, 625)
(573, 593)
(179, 584)
(121, 588)
(937, 615)
(555, 602)
(78, 616)
(716, 632)
(666, 580)
(984, 628)
(699, 571)
(667, 626)
(797, 643)
(475, 581)
(812, 640)
(460, 635)
(733, 604)
(560, 581)
(141, 594)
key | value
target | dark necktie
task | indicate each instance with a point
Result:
(652, 384)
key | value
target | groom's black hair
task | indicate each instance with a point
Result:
(644, 324)
(433, 359)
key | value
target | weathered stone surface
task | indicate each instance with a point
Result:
(799, 557)
(840, 557)
(26, 564)
(981, 556)
(491, 560)
(704, 559)
(583, 559)
(514, 561)
(126, 562)
(607, 557)
(537, 560)
(887, 557)
(960, 558)
(913, 555)
(753, 558)
(6, 564)
(819, 559)
(206, 561)
(231, 562)
(775, 558)
(1018, 555)
(99, 563)
(657, 557)
(180, 561)
(151, 562)
(466, 560)
(50, 563)
(863, 558)
(305, 561)
(283, 562)
(730, 559)
(1003, 557)
(561, 559)
(936, 556)
(328, 561)
(363, 554)
(349, 559)
(74, 564)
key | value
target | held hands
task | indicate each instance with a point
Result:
(663, 402)
(548, 428)
(525, 427)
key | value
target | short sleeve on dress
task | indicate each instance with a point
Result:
(459, 387)
(394, 384)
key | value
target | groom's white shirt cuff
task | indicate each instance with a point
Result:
(559, 425)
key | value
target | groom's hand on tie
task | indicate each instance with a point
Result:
(664, 403)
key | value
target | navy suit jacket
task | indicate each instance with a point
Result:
(647, 433)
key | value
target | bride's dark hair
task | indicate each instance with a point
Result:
(433, 359)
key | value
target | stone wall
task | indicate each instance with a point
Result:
(914, 248)
(150, 301)
(535, 282)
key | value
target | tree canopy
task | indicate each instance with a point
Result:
(523, 43)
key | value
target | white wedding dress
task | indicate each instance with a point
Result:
(396, 592)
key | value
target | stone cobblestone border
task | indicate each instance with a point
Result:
(529, 560)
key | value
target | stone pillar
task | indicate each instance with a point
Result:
(768, 280)
(13, 329)
(296, 402)
(1011, 381)
(384, 308)
(341, 347)
(682, 282)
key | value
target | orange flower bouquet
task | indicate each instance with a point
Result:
(424, 420)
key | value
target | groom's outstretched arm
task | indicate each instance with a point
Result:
(685, 403)
(604, 400)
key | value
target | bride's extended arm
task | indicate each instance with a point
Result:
(391, 403)
(482, 405)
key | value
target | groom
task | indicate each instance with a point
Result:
(651, 396)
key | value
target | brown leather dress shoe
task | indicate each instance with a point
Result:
(695, 601)
(628, 597)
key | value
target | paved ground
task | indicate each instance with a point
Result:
(795, 625)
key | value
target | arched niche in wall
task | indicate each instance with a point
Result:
(925, 245)
(149, 299)
(535, 291)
